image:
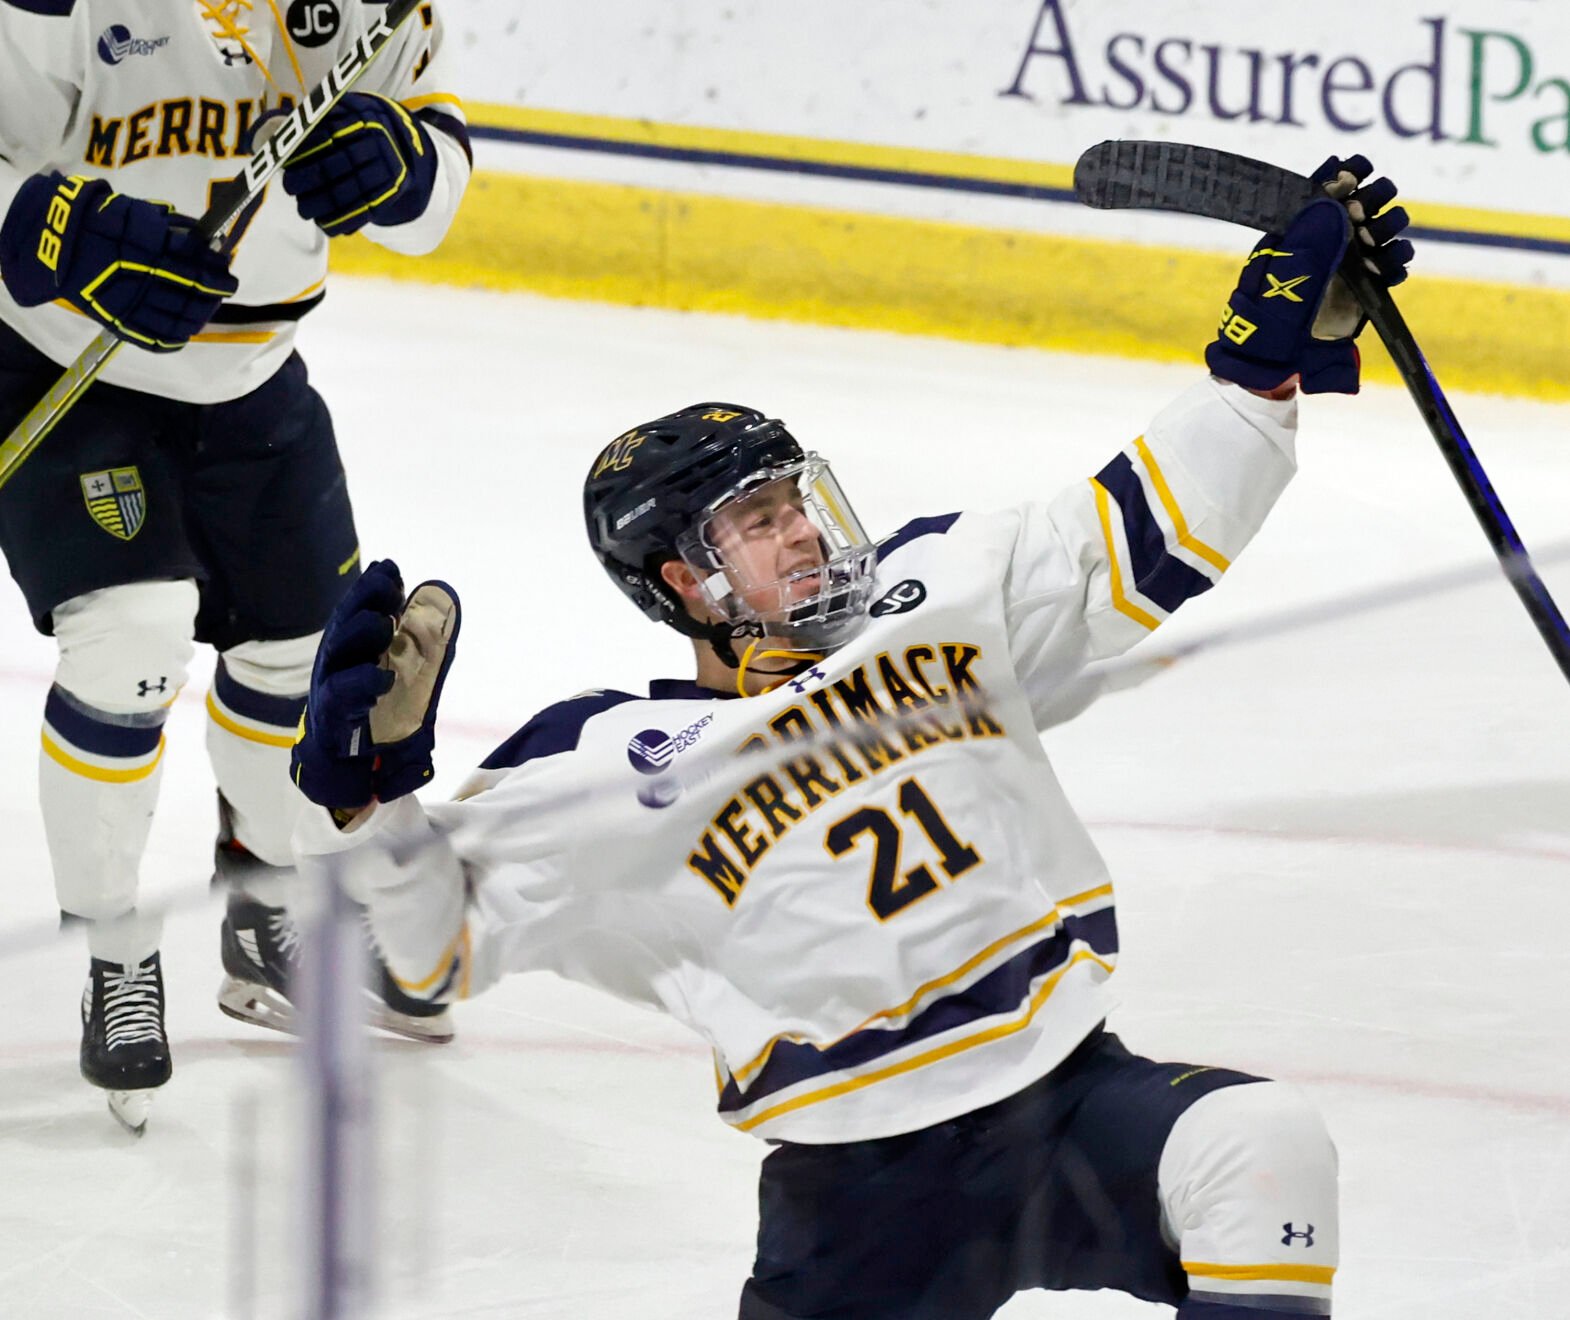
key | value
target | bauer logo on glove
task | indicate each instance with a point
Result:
(368, 162)
(136, 267)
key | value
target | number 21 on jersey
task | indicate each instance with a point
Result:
(890, 892)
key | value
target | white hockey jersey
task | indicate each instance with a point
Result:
(865, 889)
(156, 96)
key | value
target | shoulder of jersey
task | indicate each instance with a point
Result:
(914, 530)
(45, 8)
(555, 729)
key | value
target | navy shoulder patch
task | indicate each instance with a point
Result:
(554, 730)
(48, 8)
(916, 527)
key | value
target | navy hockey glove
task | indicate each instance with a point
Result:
(137, 267)
(1291, 313)
(369, 161)
(333, 761)
(403, 722)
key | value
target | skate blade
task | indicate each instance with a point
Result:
(130, 1109)
(246, 1001)
(434, 1030)
(261, 1006)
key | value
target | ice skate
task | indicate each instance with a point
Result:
(401, 1014)
(124, 1048)
(260, 948)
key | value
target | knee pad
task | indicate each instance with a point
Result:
(127, 650)
(1247, 1181)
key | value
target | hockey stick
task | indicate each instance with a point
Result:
(229, 200)
(1174, 176)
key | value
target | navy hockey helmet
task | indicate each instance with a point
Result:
(653, 495)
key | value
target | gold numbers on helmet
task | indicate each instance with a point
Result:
(720, 415)
(618, 457)
(889, 892)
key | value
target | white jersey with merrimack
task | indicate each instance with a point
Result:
(157, 97)
(865, 889)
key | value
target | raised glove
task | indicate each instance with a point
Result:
(333, 761)
(369, 161)
(1291, 313)
(403, 721)
(137, 267)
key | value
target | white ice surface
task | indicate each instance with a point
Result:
(1343, 856)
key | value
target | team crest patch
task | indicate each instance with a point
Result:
(116, 500)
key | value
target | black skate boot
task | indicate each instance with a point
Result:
(124, 1048)
(260, 947)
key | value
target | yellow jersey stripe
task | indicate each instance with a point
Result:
(1074, 900)
(234, 337)
(59, 755)
(306, 292)
(1261, 1273)
(468, 960)
(225, 722)
(1186, 539)
(931, 1056)
(434, 98)
(1120, 601)
(1045, 923)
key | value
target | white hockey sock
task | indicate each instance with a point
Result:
(253, 710)
(1248, 1192)
(123, 657)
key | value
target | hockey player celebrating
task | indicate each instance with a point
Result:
(194, 494)
(839, 853)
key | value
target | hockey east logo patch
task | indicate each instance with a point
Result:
(652, 751)
(116, 43)
(116, 500)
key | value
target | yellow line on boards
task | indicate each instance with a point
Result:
(647, 247)
(918, 160)
(778, 146)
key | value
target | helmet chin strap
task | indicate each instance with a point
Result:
(800, 660)
(722, 638)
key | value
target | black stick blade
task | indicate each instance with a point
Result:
(1177, 176)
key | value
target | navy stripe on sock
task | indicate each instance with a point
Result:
(102, 732)
(280, 712)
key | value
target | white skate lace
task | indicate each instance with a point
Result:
(132, 1006)
(286, 936)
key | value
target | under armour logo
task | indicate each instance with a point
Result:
(798, 685)
(1292, 1235)
(233, 57)
(143, 687)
